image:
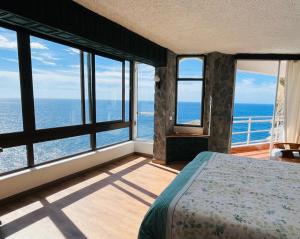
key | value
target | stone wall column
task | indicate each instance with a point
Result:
(164, 106)
(219, 78)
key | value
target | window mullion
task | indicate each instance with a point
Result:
(123, 91)
(92, 90)
(131, 100)
(26, 92)
(202, 102)
(82, 88)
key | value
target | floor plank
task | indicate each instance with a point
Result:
(105, 203)
(257, 154)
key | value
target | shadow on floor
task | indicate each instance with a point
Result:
(54, 210)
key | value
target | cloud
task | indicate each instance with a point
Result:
(44, 57)
(77, 66)
(56, 77)
(251, 90)
(10, 84)
(190, 91)
(7, 43)
(56, 84)
(10, 59)
(65, 84)
(9, 75)
(37, 45)
(43, 60)
(72, 51)
(107, 76)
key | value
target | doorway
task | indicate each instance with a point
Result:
(256, 89)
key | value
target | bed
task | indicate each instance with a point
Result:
(225, 196)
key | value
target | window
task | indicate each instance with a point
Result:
(108, 89)
(56, 84)
(188, 103)
(190, 91)
(13, 158)
(145, 104)
(10, 92)
(112, 137)
(60, 148)
(81, 101)
(11, 119)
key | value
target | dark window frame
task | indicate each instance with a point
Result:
(123, 88)
(202, 79)
(30, 135)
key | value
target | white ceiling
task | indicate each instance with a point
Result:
(263, 67)
(201, 26)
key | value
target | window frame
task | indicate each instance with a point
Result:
(202, 79)
(137, 111)
(122, 84)
(30, 135)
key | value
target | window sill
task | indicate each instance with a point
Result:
(188, 130)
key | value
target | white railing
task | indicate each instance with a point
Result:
(145, 113)
(249, 120)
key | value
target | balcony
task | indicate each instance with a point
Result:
(252, 135)
(250, 130)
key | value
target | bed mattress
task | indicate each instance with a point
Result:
(225, 196)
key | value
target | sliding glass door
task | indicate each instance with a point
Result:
(254, 102)
(145, 101)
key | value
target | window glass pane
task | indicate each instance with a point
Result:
(13, 158)
(10, 93)
(55, 149)
(56, 84)
(145, 107)
(190, 67)
(108, 89)
(127, 90)
(189, 96)
(112, 137)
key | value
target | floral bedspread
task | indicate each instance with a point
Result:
(238, 198)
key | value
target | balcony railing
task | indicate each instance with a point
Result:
(145, 113)
(247, 126)
(263, 125)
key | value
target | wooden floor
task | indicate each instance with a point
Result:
(106, 203)
(257, 154)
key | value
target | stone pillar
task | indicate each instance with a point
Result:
(164, 106)
(219, 78)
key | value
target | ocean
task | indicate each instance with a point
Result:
(51, 113)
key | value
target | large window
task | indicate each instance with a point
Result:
(112, 137)
(12, 159)
(60, 148)
(108, 89)
(10, 93)
(11, 121)
(190, 91)
(56, 84)
(57, 101)
(145, 102)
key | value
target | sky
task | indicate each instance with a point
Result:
(56, 74)
(253, 88)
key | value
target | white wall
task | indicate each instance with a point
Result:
(145, 147)
(34, 177)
